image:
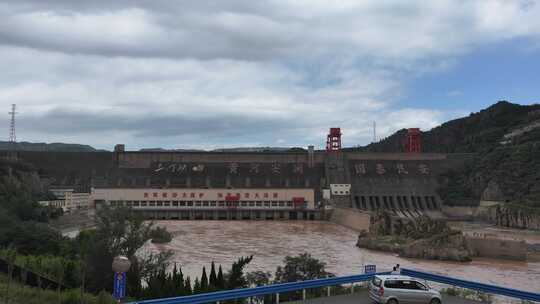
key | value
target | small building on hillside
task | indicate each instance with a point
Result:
(69, 200)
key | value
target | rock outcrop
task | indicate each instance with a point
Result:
(419, 238)
(448, 246)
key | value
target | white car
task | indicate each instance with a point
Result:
(396, 289)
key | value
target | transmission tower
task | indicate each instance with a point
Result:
(12, 135)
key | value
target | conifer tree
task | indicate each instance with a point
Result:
(204, 280)
(173, 286)
(220, 279)
(162, 279)
(235, 277)
(197, 286)
(175, 272)
(179, 283)
(187, 286)
(213, 276)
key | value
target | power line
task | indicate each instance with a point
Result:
(12, 135)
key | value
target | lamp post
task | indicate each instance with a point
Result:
(120, 266)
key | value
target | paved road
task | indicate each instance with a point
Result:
(363, 298)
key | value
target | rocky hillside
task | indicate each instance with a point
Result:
(506, 167)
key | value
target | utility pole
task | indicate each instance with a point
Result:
(12, 135)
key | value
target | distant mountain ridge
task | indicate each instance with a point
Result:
(168, 150)
(238, 149)
(46, 147)
(254, 149)
(64, 147)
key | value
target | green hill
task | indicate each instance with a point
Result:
(52, 147)
(505, 140)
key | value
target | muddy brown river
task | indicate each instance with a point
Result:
(198, 243)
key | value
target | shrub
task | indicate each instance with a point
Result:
(160, 235)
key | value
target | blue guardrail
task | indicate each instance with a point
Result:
(260, 291)
(509, 292)
(286, 287)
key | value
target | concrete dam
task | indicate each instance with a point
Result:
(249, 185)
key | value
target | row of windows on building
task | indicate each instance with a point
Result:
(397, 202)
(206, 204)
(201, 194)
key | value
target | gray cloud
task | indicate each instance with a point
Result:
(268, 30)
(207, 73)
(60, 121)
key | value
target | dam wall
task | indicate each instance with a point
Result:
(403, 183)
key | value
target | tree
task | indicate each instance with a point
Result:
(301, 268)
(213, 276)
(160, 235)
(104, 298)
(59, 274)
(24, 270)
(9, 255)
(119, 231)
(82, 269)
(187, 286)
(197, 286)
(134, 279)
(36, 266)
(159, 284)
(177, 284)
(258, 278)
(220, 284)
(204, 280)
(84, 248)
(235, 277)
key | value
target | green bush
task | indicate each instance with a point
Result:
(160, 235)
(30, 295)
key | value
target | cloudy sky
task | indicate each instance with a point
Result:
(207, 74)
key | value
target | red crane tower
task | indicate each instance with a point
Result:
(413, 142)
(333, 140)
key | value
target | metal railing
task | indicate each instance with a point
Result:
(493, 289)
(274, 289)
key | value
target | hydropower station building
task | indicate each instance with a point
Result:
(250, 185)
